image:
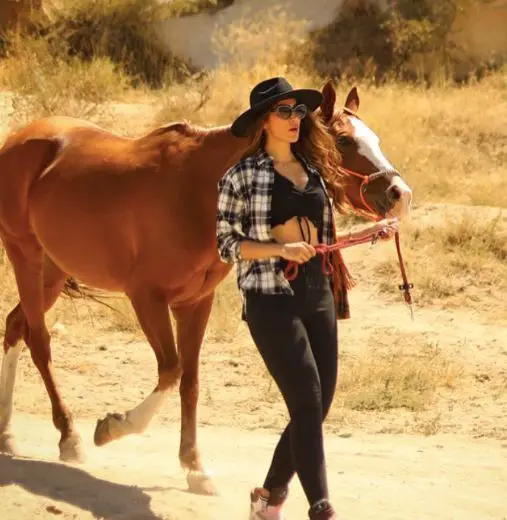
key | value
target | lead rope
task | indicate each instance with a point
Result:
(299, 218)
(405, 286)
(292, 268)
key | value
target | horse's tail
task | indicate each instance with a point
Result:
(74, 289)
(23, 160)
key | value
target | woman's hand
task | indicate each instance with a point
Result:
(386, 228)
(383, 229)
(299, 252)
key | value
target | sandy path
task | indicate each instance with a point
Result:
(371, 477)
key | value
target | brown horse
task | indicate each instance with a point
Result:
(137, 216)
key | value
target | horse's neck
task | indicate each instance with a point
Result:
(219, 151)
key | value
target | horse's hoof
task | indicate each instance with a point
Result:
(201, 483)
(8, 445)
(71, 449)
(108, 429)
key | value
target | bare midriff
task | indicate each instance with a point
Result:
(290, 231)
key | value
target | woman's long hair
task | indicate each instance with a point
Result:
(318, 147)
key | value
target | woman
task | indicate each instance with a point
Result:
(274, 206)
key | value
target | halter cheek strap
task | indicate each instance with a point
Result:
(367, 179)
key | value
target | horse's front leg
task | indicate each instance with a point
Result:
(191, 324)
(150, 305)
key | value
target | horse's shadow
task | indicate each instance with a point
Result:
(103, 499)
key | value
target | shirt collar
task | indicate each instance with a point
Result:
(263, 157)
(306, 164)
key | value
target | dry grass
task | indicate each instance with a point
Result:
(8, 288)
(121, 31)
(43, 85)
(390, 373)
(186, 7)
(225, 320)
(460, 260)
(218, 96)
(407, 374)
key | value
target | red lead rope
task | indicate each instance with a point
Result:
(292, 268)
(406, 286)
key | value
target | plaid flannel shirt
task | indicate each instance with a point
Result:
(244, 212)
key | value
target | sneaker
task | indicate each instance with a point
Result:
(322, 510)
(262, 509)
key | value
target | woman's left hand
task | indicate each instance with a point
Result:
(385, 229)
(387, 233)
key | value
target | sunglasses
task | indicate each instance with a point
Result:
(286, 111)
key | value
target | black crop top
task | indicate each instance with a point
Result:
(288, 201)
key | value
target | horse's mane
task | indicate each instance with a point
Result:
(186, 129)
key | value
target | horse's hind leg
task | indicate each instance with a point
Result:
(15, 330)
(7, 379)
(191, 324)
(28, 260)
(152, 312)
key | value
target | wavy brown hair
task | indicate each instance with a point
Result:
(318, 147)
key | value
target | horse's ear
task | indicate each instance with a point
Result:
(327, 106)
(352, 101)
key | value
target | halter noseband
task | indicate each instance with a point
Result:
(387, 173)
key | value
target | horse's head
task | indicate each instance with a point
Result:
(374, 187)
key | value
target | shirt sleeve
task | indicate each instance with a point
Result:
(230, 212)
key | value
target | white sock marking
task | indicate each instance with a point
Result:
(7, 380)
(139, 418)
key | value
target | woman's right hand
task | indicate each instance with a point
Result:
(299, 252)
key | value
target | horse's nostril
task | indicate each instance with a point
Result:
(394, 193)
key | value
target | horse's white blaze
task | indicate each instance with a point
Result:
(139, 417)
(369, 147)
(7, 380)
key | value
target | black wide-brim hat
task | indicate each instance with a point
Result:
(264, 95)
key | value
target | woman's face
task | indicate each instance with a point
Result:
(286, 130)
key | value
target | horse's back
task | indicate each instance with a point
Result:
(103, 207)
(50, 128)
(61, 145)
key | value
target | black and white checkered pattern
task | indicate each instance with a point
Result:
(244, 212)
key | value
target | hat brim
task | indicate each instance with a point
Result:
(244, 124)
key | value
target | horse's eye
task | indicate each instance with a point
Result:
(344, 140)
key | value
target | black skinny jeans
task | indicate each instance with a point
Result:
(298, 339)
